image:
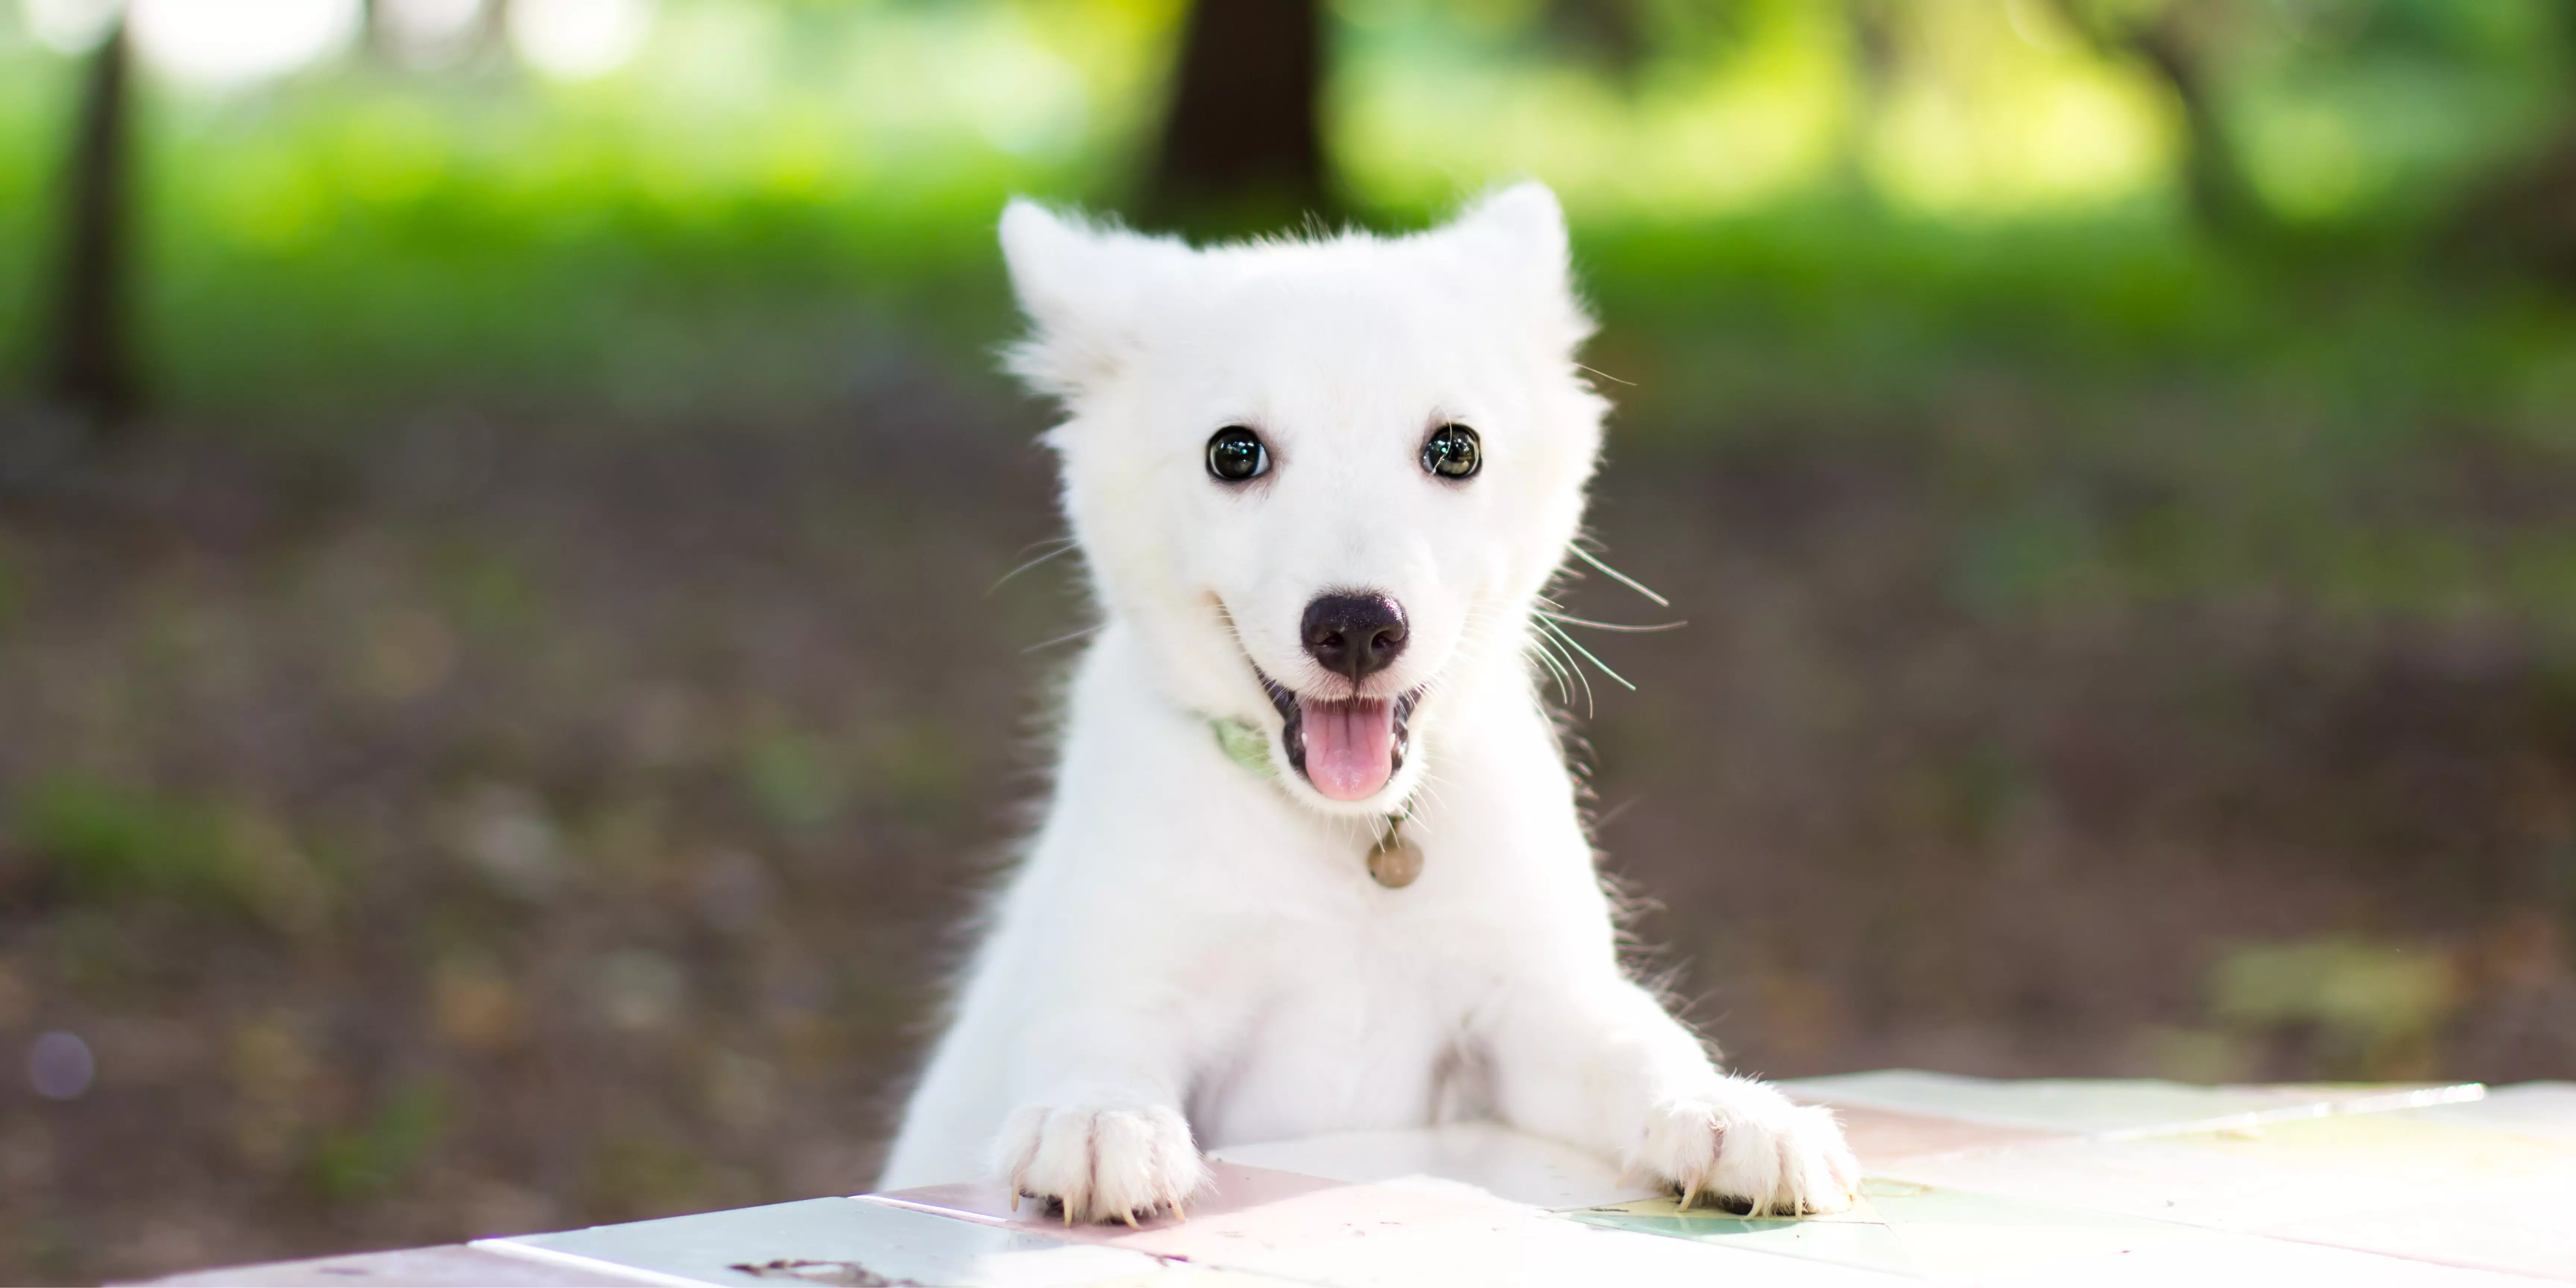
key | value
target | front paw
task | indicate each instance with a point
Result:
(1744, 1145)
(1100, 1162)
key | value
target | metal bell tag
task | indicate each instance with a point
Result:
(1394, 860)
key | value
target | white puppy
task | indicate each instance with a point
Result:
(1320, 486)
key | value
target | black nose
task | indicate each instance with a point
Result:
(1356, 635)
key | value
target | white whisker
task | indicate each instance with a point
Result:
(1628, 627)
(1539, 651)
(1544, 636)
(1552, 658)
(1061, 545)
(1066, 638)
(1571, 643)
(1619, 577)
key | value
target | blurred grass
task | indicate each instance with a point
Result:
(376, 1158)
(2374, 1007)
(107, 843)
(359, 241)
(98, 842)
(359, 246)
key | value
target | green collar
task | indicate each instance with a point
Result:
(1245, 744)
(1394, 861)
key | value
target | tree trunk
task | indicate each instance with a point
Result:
(1242, 145)
(1874, 67)
(1611, 33)
(2214, 181)
(374, 41)
(2522, 221)
(93, 359)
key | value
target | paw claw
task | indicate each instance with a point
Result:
(1101, 1163)
(1743, 1143)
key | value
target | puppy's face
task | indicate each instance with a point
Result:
(1321, 481)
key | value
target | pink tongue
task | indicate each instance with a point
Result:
(1350, 746)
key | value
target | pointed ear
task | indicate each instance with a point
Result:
(1085, 289)
(1514, 238)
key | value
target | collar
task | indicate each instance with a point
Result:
(1245, 744)
(1394, 861)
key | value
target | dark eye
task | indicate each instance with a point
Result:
(1237, 455)
(1453, 452)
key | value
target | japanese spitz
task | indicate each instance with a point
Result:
(1314, 860)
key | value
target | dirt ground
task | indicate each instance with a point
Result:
(494, 824)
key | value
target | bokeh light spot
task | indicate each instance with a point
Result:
(240, 41)
(60, 1066)
(69, 26)
(576, 39)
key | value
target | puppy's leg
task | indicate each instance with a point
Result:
(1601, 1063)
(1101, 1136)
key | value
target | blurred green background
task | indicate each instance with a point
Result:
(507, 675)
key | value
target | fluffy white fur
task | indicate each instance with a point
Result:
(1194, 954)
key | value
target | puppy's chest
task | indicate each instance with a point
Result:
(1341, 1028)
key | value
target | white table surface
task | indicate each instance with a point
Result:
(1969, 1181)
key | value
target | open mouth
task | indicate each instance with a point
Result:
(1349, 748)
